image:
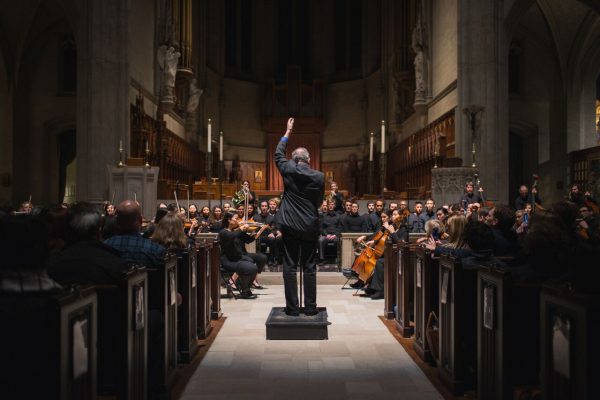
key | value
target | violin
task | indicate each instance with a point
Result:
(364, 264)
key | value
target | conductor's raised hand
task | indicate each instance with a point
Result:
(290, 126)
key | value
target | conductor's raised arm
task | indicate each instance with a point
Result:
(280, 158)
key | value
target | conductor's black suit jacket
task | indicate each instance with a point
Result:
(302, 196)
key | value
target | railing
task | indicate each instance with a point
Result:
(178, 160)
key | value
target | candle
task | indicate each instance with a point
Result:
(208, 149)
(221, 146)
(147, 147)
(382, 137)
(120, 145)
(371, 143)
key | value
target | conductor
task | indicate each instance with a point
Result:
(299, 221)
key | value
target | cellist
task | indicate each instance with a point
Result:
(398, 232)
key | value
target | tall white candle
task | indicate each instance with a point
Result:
(120, 145)
(371, 143)
(221, 146)
(208, 147)
(382, 136)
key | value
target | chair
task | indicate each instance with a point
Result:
(349, 274)
(225, 278)
(331, 251)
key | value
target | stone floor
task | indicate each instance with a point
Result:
(361, 359)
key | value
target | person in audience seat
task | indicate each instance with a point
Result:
(85, 259)
(441, 215)
(416, 224)
(234, 257)
(455, 244)
(354, 222)
(588, 224)
(133, 247)
(502, 220)
(149, 230)
(169, 233)
(331, 228)
(398, 233)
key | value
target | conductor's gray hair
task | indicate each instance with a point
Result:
(301, 154)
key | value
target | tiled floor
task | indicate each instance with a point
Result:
(361, 359)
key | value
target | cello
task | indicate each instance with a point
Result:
(364, 264)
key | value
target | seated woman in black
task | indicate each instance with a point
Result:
(233, 256)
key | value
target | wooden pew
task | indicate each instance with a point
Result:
(187, 312)
(389, 283)
(507, 333)
(569, 342)
(426, 275)
(400, 256)
(203, 291)
(49, 345)
(123, 336)
(457, 325)
(211, 240)
(163, 298)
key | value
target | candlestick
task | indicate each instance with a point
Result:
(473, 154)
(382, 136)
(371, 143)
(208, 148)
(221, 146)
(147, 154)
(120, 153)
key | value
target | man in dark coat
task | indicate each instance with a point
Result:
(298, 220)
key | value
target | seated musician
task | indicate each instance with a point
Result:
(216, 220)
(271, 238)
(241, 211)
(226, 208)
(354, 222)
(398, 233)
(133, 247)
(588, 224)
(85, 259)
(193, 211)
(201, 223)
(251, 195)
(330, 229)
(525, 197)
(233, 256)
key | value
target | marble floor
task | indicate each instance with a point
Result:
(361, 359)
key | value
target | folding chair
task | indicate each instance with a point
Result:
(225, 278)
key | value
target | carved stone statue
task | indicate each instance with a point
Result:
(168, 58)
(419, 47)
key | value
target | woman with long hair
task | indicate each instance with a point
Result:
(169, 232)
(455, 243)
(215, 219)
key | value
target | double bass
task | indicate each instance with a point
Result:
(364, 264)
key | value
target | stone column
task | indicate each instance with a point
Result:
(483, 81)
(102, 93)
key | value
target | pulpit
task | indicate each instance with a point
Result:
(134, 183)
(447, 184)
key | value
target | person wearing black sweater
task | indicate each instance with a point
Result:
(354, 222)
